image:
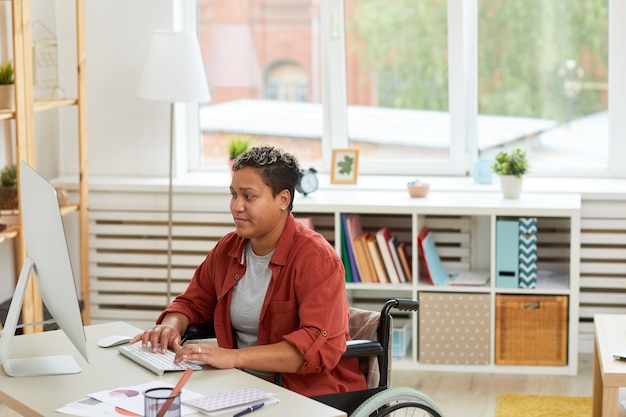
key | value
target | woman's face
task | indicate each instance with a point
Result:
(257, 214)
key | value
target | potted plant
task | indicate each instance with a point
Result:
(511, 167)
(8, 188)
(237, 145)
(6, 86)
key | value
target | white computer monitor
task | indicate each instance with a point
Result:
(48, 258)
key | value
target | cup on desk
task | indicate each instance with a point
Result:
(155, 399)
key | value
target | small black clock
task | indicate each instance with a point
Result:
(308, 181)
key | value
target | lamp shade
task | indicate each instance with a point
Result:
(174, 71)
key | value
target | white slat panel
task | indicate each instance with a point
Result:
(143, 287)
(128, 248)
(611, 238)
(116, 272)
(603, 224)
(587, 312)
(597, 281)
(105, 315)
(610, 253)
(604, 268)
(129, 300)
(606, 298)
(602, 262)
(603, 209)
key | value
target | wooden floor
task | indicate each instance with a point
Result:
(475, 395)
(464, 394)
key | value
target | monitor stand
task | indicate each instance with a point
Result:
(43, 365)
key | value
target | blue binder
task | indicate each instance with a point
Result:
(507, 253)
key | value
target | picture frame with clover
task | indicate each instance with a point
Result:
(345, 166)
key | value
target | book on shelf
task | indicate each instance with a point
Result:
(347, 223)
(345, 258)
(383, 235)
(405, 260)
(381, 272)
(393, 248)
(435, 270)
(363, 261)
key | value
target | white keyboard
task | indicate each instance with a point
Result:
(159, 363)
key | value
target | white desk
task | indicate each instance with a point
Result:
(41, 395)
(608, 374)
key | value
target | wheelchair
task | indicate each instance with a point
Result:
(372, 334)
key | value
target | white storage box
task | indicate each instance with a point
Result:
(401, 340)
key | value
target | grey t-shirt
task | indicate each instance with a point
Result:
(248, 296)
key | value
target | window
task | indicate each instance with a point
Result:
(419, 86)
(263, 66)
(542, 81)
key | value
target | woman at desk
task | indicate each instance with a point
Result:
(274, 289)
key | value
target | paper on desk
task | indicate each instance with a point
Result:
(89, 407)
(126, 398)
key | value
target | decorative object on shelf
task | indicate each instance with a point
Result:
(45, 62)
(482, 171)
(418, 188)
(6, 86)
(308, 181)
(173, 72)
(345, 166)
(511, 168)
(528, 252)
(237, 144)
(8, 188)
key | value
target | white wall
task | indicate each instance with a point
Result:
(126, 136)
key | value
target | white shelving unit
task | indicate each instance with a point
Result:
(466, 223)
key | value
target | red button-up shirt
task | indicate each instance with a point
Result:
(305, 305)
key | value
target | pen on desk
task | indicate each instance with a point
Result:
(249, 409)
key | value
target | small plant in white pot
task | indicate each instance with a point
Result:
(6, 86)
(511, 167)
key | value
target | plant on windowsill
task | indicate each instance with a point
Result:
(8, 188)
(6, 86)
(237, 145)
(511, 167)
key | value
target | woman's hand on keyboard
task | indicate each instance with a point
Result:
(215, 356)
(164, 335)
(159, 338)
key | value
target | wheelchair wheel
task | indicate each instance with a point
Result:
(398, 402)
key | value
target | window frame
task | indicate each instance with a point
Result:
(463, 99)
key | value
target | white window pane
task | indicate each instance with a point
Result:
(397, 78)
(542, 81)
(262, 61)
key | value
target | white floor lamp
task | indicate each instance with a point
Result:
(173, 73)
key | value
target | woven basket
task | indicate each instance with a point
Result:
(8, 198)
(531, 330)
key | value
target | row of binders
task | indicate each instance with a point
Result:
(375, 256)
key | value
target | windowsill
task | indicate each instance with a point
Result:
(217, 182)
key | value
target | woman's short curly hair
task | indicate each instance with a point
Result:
(279, 170)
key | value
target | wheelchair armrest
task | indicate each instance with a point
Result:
(199, 331)
(361, 348)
